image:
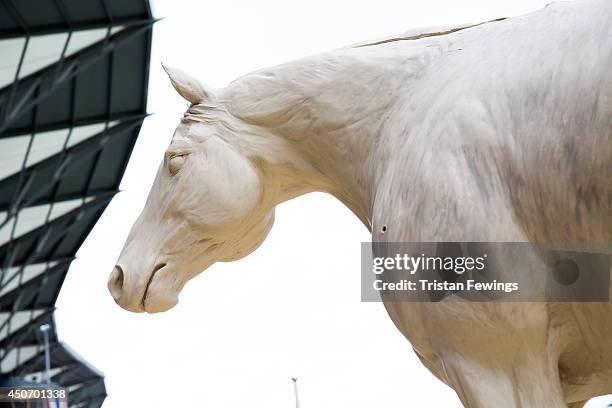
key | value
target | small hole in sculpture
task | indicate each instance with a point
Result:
(383, 229)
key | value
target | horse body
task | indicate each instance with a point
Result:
(510, 153)
(509, 140)
(496, 132)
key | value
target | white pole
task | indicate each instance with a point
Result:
(297, 401)
(45, 329)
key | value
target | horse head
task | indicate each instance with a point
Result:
(207, 204)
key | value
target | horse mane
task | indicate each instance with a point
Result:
(202, 113)
(277, 97)
(295, 94)
(314, 92)
(424, 32)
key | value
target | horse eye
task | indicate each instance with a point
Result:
(175, 164)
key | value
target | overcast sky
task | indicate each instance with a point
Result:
(292, 308)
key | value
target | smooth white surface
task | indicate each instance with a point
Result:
(243, 329)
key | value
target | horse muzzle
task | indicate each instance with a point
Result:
(138, 293)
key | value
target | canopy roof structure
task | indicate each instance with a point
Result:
(73, 95)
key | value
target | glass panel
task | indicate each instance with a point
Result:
(45, 145)
(32, 271)
(17, 356)
(82, 133)
(12, 152)
(62, 207)
(83, 39)
(27, 273)
(11, 54)
(18, 320)
(116, 29)
(31, 218)
(5, 231)
(42, 50)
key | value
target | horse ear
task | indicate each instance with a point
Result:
(189, 87)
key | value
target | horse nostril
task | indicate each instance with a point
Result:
(115, 283)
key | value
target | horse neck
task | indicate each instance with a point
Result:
(337, 152)
(346, 159)
(336, 164)
(324, 117)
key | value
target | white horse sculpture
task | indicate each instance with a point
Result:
(495, 132)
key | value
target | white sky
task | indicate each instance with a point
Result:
(292, 308)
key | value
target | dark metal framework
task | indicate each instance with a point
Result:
(102, 83)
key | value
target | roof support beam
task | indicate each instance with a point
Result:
(72, 66)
